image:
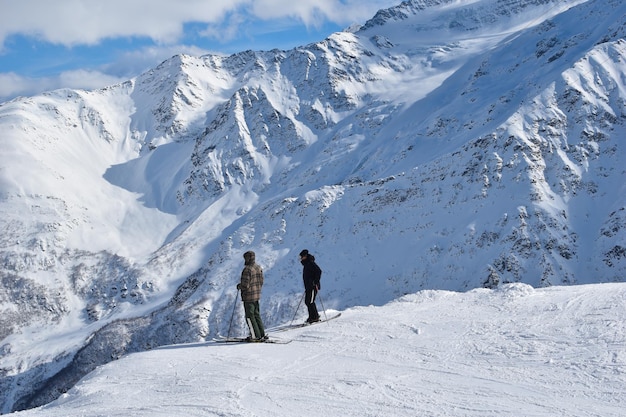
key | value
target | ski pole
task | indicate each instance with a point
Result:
(297, 308)
(323, 308)
(233, 315)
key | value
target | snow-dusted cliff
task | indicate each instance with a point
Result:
(443, 145)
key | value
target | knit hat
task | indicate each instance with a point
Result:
(249, 257)
(304, 252)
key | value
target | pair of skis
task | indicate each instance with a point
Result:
(246, 340)
(299, 325)
(276, 330)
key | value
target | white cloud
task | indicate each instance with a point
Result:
(13, 85)
(73, 22)
(81, 22)
(227, 30)
(87, 79)
(314, 12)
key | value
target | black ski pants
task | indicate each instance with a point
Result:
(309, 300)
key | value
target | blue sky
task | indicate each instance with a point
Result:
(50, 44)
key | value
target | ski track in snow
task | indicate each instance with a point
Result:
(513, 351)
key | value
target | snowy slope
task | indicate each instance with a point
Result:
(443, 145)
(514, 351)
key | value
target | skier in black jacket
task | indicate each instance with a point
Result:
(311, 274)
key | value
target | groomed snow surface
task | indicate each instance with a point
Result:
(512, 351)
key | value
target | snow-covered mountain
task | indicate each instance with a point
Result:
(442, 145)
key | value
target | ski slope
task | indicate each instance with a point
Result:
(512, 351)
